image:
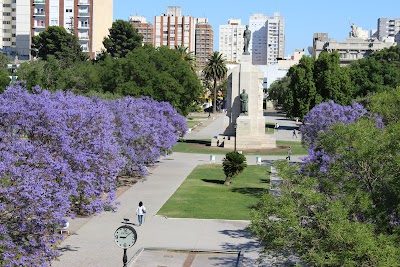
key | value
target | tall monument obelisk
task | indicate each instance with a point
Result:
(245, 130)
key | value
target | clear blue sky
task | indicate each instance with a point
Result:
(302, 18)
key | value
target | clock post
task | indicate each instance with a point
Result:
(125, 237)
(125, 258)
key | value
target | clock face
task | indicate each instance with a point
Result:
(125, 236)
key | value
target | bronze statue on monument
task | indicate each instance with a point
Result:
(244, 102)
(246, 37)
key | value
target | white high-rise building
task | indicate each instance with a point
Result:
(389, 28)
(267, 38)
(15, 28)
(231, 40)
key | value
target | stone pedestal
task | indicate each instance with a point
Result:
(248, 129)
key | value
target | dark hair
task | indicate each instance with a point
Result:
(140, 204)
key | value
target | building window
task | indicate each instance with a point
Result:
(6, 22)
(68, 10)
(6, 14)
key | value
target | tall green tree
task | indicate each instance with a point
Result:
(331, 81)
(303, 92)
(155, 72)
(377, 73)
(187, 56)
(4, 72)
(215, 70)
(122, 39)
(387, 105)
(343, 214)
(278, 91)
(56, 41)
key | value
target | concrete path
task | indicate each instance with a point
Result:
(92, 241)
(216, 127)
(93, 244)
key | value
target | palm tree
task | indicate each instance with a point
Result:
(215, 70)
(189, 57)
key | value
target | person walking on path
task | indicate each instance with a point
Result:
(294, 133)
(289, 152)
(140, 212)
(276, 126)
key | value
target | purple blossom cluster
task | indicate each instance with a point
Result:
(320, 119)
(60, 155)
(323, 116)
(146, 129)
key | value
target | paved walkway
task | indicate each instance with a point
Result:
(216, 127)
(93, 243)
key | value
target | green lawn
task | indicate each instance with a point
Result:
(203, 147)
(204, 196)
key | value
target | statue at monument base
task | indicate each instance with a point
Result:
(244, 122)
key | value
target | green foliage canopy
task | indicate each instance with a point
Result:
(122, 39)
(347, 214)
(233, 163)
(57, 42)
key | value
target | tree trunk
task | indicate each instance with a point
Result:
(228, 181)
(215, 97)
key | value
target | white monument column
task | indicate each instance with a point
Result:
(250, 127)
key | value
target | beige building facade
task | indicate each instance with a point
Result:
(143, 27)
(89, 20)
(174, 29)
(351, 49)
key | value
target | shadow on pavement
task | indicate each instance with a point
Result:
(68, 248)
(250, 245)
(193, 141)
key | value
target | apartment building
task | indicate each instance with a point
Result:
(268, 38)
(15, 31)
(143, 27)
(230, 43)
(174, 29)
(389, 28)
(204, 41)
(89, 20)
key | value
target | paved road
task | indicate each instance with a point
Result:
(93, 244)
(216, 127)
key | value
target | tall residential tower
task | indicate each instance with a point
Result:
(268, 38)
(89, 20)
(15, 28)
(174, 29)
(204, 41)
(389, 28)
(231, 40)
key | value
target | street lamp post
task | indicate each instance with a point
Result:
(235, 126)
